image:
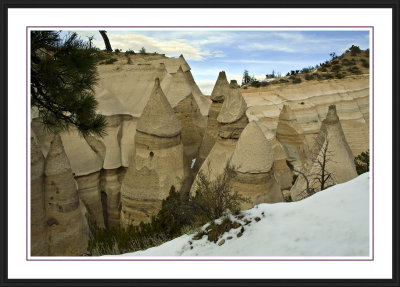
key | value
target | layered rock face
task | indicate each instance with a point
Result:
(219, 93)
(39, 243)
(290, 134)
(252, 162)
(232, 120)
(125, 89)
(157, 161)
(67, 227)
(330, 141)
(310, 101)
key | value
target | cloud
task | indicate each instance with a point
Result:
(266, 47)
(171, 48)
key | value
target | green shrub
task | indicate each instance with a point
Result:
(213, 198)
(354, 70)
(324, 69)
(256, 84)
(296, 80)
(339, 75)
(362, 162)
(365, 63)
(117, 51)
(109, 61)
(176, 213)
(346, 62)
(101, 56)
(336, 68)
(328, 76)
(129, 52)
(354, 50)
(335, 62)
(309, 77)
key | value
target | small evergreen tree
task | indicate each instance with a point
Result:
(63, 76)
(362, 162)
(246, 77)
(354, 50)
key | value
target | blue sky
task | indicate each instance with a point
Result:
(258, 51)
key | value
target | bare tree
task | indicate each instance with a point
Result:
(324, 175)
(106, 40)
(320, 179)
(90, 38)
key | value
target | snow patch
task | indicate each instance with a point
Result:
(333, 222)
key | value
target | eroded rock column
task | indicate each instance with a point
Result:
(252, 163)
(157, 161)
(66, 215)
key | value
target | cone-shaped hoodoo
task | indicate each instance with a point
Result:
(176, 87)
(231, 121)
(157, 161)
(158, 118)
(221, 88)
(253, 153)
(339, 160)
(221, 91)
(252, 163)
(67, 225)
(233, 108)
(290, 134)
(39, 243)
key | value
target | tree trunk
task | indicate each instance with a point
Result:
(106, 41)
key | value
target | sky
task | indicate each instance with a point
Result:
(259, 51)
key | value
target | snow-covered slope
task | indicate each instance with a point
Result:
(333, 222)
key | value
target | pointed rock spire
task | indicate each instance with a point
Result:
(185, 66)
(176, 87)
(233, 84)
(288, 125)
(331, 116)
(56, 161)
(221, 88)
(233, 108)
(340, 159)
(253, 153)
(158, 117)
(287, 114)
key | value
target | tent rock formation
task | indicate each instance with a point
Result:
(252, 163)
(157, 161)
(340, 160)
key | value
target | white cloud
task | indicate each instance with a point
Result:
(171, 48)
(266, 47)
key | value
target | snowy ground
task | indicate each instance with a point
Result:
(333, 222)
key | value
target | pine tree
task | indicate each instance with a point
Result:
(246, 78)
(63, 76)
